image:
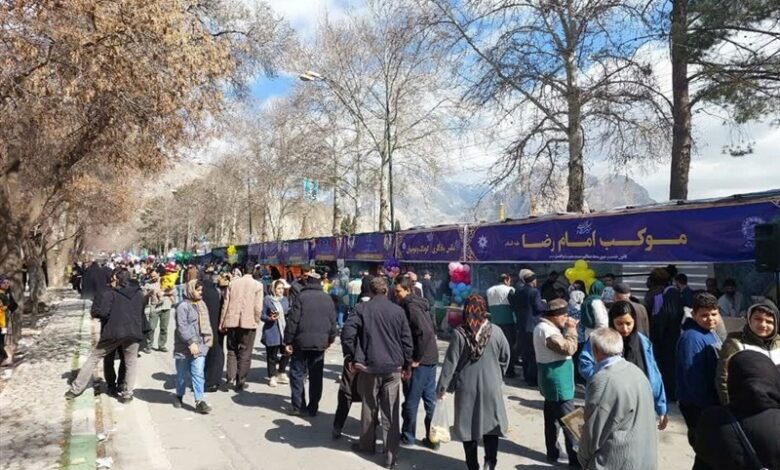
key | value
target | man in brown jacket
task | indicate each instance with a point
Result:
(239, 320)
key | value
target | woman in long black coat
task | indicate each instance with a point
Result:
(754, 403)
(215, 359)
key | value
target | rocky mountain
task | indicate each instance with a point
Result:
(448, 202)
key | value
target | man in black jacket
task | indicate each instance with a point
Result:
(311, 329)
(421, 383)
(123, 308)
(381, 330)
(215, 358)
(528, 306)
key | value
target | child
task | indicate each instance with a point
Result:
(554, 351)
(759, 334)
(697, 358)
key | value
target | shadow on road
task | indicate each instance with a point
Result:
(316, 434)
(535, 404)
(168, 380)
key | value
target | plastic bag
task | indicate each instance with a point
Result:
(440, 424)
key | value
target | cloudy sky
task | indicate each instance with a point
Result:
(713, 172)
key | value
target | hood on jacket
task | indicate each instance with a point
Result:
(129, 290)
(753, 383)
(764, 305)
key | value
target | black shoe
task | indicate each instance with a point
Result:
(212, 388)
(70, 395)
(162, 349)
(178, 402)
(510, 374)
(112, 391)
(296, 412)
(391, 463)
(240, 387)
(551, 459)
(202, 407)
(227, 386)
(574, 464)
(312, 413)
(406, 444)
(336, 433)
(430, 444)
(125, 398)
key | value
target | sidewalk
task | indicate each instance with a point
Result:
(33, 414)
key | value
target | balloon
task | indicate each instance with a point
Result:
(452, 266)
(231, 250)
(454, 317)
(461, 286)
(581, 272)
(467, 268)
(452, 285)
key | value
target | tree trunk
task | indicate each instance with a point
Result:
(336, 228)
(576, 178)
(681, 133)
(382, 195)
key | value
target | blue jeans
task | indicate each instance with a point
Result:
(192, 366)
(422, 384)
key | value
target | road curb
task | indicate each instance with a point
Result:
(80, 449)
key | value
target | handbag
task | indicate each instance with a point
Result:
(462, 361)
(746, 445)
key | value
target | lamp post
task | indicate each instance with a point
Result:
(311, 76)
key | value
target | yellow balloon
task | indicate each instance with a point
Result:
(231, 250)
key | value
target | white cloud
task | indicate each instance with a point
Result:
(304, 15)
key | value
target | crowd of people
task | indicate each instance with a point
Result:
(633, 358)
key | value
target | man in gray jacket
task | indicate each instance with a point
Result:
(620, 427)
(378, 338)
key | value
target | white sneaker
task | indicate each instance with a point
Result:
(282, 379)
(273, 382)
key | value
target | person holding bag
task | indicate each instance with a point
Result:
(474, 367)
(745, 434)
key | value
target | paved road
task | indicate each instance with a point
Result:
(251, 430)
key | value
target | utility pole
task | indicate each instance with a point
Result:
(249, 203)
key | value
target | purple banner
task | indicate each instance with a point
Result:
(255, 250)
(326, 248)
(294, 252)
(713, 233)
(370, 246)
(271, 252)
(435, 245)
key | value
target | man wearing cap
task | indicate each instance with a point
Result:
(555, 342)
(528, 307)
(239, 320)
(623, 292)
(310, 330)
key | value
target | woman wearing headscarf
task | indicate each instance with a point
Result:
(594, 312)
(215, 359)
(665, 308)
(275, 308)
(754, 407)
(193, 339)
(474, 367)
(637, 350)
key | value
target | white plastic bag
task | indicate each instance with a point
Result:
(440, 424)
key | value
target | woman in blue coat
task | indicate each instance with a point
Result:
(637, 349)
(275, 308)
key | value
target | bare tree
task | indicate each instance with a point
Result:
(569, 71)
(384, 68)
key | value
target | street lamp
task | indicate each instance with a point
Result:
(312, 76)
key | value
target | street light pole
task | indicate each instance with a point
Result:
(311, 76)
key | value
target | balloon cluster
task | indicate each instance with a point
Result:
(232, 254)
(581, 272)
(460, 282)
(183, 257)
(392, 267)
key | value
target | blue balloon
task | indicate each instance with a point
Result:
(461, 286)
(452, 285)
